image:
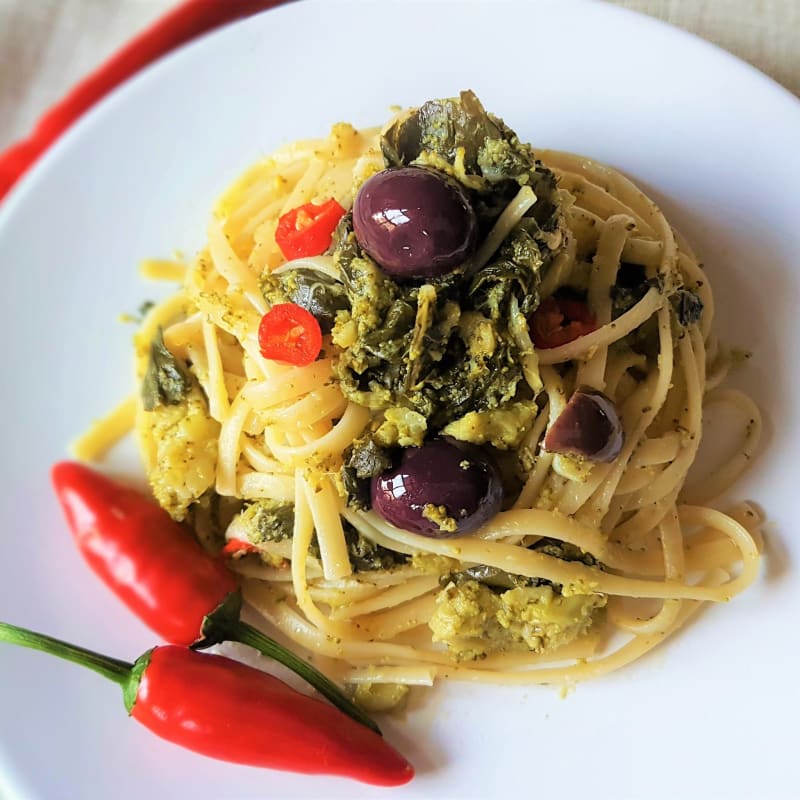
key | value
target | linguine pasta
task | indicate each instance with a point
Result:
(654, 551)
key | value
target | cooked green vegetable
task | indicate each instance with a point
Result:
(430, 348)
(356, 490)
(474, 621)
(496, 578)
(458, 136)
(493, 578)
(687, 305)
(178, 442)
(363, 460)
(452, 352)
(365, 555)
(263, 521)
(631, 285)
(315, 291)
(366, 458)
(565, 551)
(266, 521)
(210, 515)
(484, 609)
(166, 380)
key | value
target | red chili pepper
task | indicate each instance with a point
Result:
(308, 229)
(153, 564)
(290, 334)
(160, 571)
(560, 319)
(226, 710)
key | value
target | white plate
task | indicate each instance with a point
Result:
(712, 714)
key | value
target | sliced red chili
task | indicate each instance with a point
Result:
(235, 547)
(560, 319)
(290, 334)
(308, 229)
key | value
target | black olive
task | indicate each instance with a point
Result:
(589, 426)
(442, 473)
(414, 222)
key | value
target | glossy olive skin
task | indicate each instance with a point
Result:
(443, 472)
(414, 222)
(589, 426)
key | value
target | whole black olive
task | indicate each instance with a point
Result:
(443, 483)
(589, 426)
(414, 222)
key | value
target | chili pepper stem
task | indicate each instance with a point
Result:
(238, 631)
(112, 668)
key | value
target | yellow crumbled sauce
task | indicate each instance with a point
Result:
(572, 467)
(503, 428)
(380, 697)
(401, 426)
(438, 516)
(434, 564)
(179, 449)
(473, 621)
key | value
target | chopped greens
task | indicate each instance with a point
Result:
(263, 521)
(515, 273)
(453, 350)
(267, 521)
(315, 291)
(500, 580)
(364, 460)
(630, 286)
(450, 347)
(565, 551)
(458, 136)
(367, 459)
(687, 305)
(209, 516)
(166, 380)
(442, 349)
(365, 555)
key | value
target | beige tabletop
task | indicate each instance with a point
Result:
(47, 45)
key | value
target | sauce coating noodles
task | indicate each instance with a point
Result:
(653, 551)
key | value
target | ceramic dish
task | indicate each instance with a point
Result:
(713, 713)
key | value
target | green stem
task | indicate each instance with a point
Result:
(239, 631)
(111, 668)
